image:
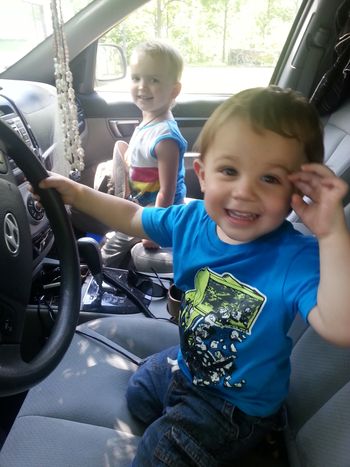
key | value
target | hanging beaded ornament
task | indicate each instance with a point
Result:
(67, 108)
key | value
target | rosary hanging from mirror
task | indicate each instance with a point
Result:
(67, 108)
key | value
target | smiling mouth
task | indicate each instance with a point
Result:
(144, 98)
(241, 216)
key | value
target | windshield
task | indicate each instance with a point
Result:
(26, 23)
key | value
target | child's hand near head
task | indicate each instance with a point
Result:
(325, 190)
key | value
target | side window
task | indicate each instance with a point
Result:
(227, 45)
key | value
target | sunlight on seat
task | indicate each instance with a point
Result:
(121, 363)
(91, 361)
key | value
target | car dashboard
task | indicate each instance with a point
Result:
(30, 109)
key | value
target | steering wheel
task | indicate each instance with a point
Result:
(16, 270)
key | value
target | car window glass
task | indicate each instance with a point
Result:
(227, 45)
(26, 23)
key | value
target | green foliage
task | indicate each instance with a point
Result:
(207, 31)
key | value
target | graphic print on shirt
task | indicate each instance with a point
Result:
(217, 314)
(143, 178)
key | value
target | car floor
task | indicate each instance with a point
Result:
(9, 407)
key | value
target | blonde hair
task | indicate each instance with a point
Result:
(282, 111)
(164, 51)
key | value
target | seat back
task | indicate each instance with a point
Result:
(318, 432)
(337, 149)
(318, 404)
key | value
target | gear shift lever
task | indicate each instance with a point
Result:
(90, 253)
(106, 298)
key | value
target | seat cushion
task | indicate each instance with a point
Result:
(44, 441)
(78, 416)
(318, 432)
(87, 387)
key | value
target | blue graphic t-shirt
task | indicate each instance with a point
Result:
(240, 301)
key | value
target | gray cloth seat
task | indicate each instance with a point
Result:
(78, 415)
(318, 432)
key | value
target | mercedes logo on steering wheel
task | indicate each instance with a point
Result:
(11, 233)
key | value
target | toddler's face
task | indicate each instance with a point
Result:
(244, 178)
(152, 87)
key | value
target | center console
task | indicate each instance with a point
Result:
(117, 291)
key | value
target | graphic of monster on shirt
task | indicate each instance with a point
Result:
(217, 314)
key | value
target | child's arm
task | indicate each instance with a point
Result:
(168, 162)
(325, 218)
(119, 214)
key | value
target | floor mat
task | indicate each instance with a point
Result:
(9, 407)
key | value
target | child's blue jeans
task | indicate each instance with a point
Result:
(187, 426)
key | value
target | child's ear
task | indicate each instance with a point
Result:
(176, 90)
(198, 167)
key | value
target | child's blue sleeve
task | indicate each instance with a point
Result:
(302, 294)
(161, 223)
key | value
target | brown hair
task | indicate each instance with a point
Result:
(164, 51)
(282, 111)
